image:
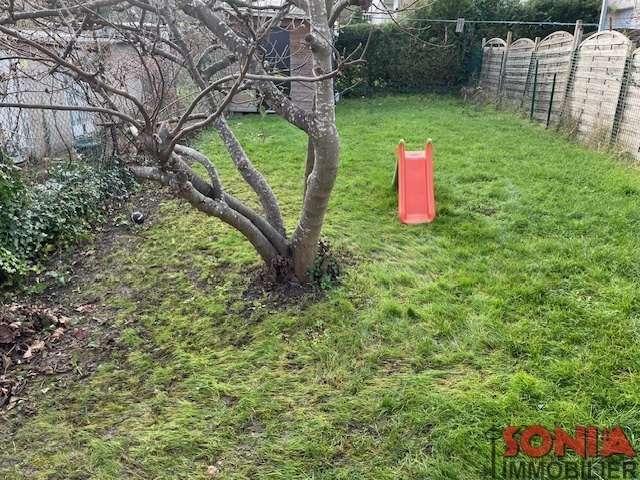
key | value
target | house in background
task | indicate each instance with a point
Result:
(384, 11)
(287, 52)
(381, 11)
(36, 133)
(620, 15)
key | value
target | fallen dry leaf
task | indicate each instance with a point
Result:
(35, 347)
(13, 402)
(57, 334)
(85, 308)
(7, 334)
(6, 362)
(80, 334)
(26, 330)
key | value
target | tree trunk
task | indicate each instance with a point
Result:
(308, 166)
(326, 149)
(158, 131)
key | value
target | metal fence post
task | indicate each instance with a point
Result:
(530, 72)
(499, 85)
(622, 96)
(553, 94)
(577, 41)
(535, 91)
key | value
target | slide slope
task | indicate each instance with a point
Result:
(416, 193)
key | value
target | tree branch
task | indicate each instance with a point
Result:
(15, 17)
(71, 108)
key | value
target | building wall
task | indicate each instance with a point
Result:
(33, 133)
(36, 133)
(620, 14)
(301, 65)
(386, 11)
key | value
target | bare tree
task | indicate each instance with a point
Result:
(220, 46)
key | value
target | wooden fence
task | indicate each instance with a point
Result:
(516, 70)
(629, 126)
(549, 77)
(493, 65)
(593, 84)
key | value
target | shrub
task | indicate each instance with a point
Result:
(398, 61)
(35, 219)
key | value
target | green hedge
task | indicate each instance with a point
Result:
(403, 60)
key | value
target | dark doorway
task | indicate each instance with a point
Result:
(278, 54)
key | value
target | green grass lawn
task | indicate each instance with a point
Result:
(519, 305)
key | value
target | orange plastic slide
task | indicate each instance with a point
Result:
(415, 185)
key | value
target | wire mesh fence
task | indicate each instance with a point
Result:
(45, 112)
(596, 85)
(627, 129)
(35, 133)
(591, 87)
(549, 77)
